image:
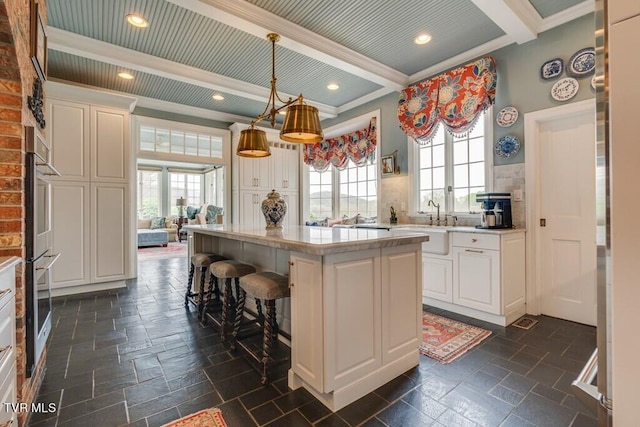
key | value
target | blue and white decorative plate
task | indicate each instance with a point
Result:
(564, 89)
(582, 63)
(552, 68)
(507, 116)
(507, 146)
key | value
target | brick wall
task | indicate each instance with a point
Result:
(16, 81)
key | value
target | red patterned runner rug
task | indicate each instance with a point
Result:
(445, 340)
(211, 417)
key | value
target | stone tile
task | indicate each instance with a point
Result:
(396, 388)
(424, 404)
(163, 417)
(266, 413)
(401, 413)
(518, 383)
(545, 374)
(540, 411)
(362, 409)
(146, 391)
(478, 407)
(507, 395)
(291, 419)
(108, 417)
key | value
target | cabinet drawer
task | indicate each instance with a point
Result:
(7, 287)
(6, 328)
(477, 240)
(8, 393)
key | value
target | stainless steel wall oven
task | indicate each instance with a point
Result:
(39, 257)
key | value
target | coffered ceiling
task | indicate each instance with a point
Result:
(193, 49)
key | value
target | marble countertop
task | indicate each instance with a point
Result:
(7, 262)
(314, 240)
(452, 228)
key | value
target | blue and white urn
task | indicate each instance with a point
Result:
(274, 208)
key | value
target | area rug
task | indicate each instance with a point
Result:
(445, 340)
(172, 250)
(211, 417)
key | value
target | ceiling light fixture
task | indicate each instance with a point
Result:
(423, 38)
(137, 21)
(125, 75)
(218, 97)
(333, 86)
(301, 124)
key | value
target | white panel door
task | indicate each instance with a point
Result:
(567, 240)
(351, 297)
(109, 145)
(476, 279)
(70, 229)
(109, 231)
(250, 212)
(437, 279)
(69, 139)
(292, 217)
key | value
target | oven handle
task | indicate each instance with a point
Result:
(50, 263)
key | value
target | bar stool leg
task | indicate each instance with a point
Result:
(189, 283)
(242, 296)
(213, 284)
(268, 336)
(203, 273)
(260, 317)
(226, 296)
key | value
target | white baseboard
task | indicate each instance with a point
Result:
(82, 289)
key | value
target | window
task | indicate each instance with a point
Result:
(149, 193)
(180, 143)
(451, 171)
(187, 185)
(357, 189)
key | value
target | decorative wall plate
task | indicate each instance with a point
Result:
(552, 68)
(507, 116)
(564, 89)
(507, 146)
(582, 63)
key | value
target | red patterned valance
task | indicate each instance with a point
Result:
(455, 98)
(359, 146)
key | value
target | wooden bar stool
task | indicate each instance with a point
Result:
(227, 271)
(202, 261)
(268, 286)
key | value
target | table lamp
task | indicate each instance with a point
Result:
(181, 203)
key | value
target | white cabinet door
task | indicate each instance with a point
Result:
(70, 228)
(351, 297)
(256, 174)
(109, 145)
(109, 231)
(69, 138)
(285, 167)
(401, 285)
(476, 279)
(250, 212)
(437, 279)
(307, 323)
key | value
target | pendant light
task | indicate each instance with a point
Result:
(301, 124)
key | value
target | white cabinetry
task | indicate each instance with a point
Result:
(356, 311)
(8, 391)
(91, 201)
(253, 178)
(482, 277)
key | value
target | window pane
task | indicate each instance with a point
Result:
(478, 129)
(473, 205)
(204, 146)
(216, 147)
(438, 178)
(438, 155)
(314, 177)
(425, 196)
(177, 142)
(148, 194)
(476, 150)
(425, 157)
(460, 152)
(162, 140)
(191, 144)
(460, 176)
(147, 138)
(425, 179)
(476, 174)
(461, 197)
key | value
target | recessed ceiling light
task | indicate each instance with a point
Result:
(333, 86)
(137, 21)
(125, 75)
(218, 97)
(422, 38)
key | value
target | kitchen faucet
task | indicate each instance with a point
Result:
(437, 206)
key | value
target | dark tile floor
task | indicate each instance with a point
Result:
(136, 357)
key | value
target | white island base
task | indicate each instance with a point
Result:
(356, 306)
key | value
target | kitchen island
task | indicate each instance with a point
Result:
(356, 300)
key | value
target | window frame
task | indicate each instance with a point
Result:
(413, 151)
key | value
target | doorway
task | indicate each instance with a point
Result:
(561, 214)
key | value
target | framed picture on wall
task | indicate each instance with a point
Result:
(38, 42)
(388, 164)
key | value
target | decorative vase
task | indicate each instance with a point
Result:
(274, 208)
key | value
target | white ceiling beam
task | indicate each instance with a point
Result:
(259, 22)
(574, 12)
(97, 50)
(518, 19)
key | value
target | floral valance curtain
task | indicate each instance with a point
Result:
(455, 99)
(359, 146)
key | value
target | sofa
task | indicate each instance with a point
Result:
(150, 231)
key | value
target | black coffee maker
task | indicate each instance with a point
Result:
(496, 210)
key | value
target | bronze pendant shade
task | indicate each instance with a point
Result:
(301, 124)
